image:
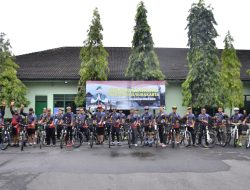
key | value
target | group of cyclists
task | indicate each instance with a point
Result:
(143, 125)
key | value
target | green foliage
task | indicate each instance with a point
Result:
(143, 61)
(94, 58)
(232, 88)
(201, 86)
(11, 87)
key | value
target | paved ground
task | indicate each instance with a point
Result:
(120, 168)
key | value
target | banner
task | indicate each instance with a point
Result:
(125, 95)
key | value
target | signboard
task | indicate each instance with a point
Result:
(125, 94)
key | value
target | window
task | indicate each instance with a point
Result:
(247, 103)
(63, 101)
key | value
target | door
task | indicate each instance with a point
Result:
(41, 102)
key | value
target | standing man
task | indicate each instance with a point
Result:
(48, 122)
(15, 123)
(134, 119)
(31, 121)
(174, 119)
(219, 117)
(238, 118)
(203, 120)
(147, 122)
(81, 122)
(190, 121)
(116, 124)
(99, 118)
(161, 120)
(68, 121)
(58, 120)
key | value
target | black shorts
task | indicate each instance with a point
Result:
(149, 129)
(177, 130)
(30, 131)
(14, 131)
(100, 130)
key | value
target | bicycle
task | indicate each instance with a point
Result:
(5, 136)
(171, 137)
(92, 136)
(234, 131)
(185, 135)
(23, 136)
(222, 135)
(207, 138)
(247, 143)
(77, 137)
(41, 135)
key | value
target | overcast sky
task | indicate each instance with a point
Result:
(35, 25)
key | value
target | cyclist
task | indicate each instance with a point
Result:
(219, 118)
(161, 120)
(237, 118)
(48, 121)
(133, 119)
(148, 121)
(2, 112)
(190, 121)
(68, 121)
(174, 119)
(203, 119)
(15, 123)
(81, 122)
(31, 121)
(58, 122)
(116, 124)
(99, 121)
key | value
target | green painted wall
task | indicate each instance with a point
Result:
(46, 89)
(173, 93)
(174, 97)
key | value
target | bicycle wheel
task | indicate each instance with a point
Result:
(173, 139)
(22, 142)
(62, 140)
(187, 138)
(5, 141)
(129, 138)
(91, 140)
(208, 142)
(109, 139)
(247, 143)
(77, 139)
(235, 139)
(157, 139)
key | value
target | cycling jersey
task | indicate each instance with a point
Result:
(48, 119)
(174, 118)
(99, 116)
(204, 118)
(147, 117)
(235, 118)
(161, 118)
(57, 118)
(1, 119)
(219, 118)
(80, 119)
(190, 119)
(68, 118)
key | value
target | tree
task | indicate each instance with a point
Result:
(202, 83)
(11, 87)
(232, 88)
(143, 61)
(94, 58)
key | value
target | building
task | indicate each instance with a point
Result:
(51, 76)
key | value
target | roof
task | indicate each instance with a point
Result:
(64, 63)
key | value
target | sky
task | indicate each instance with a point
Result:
(36, 25)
